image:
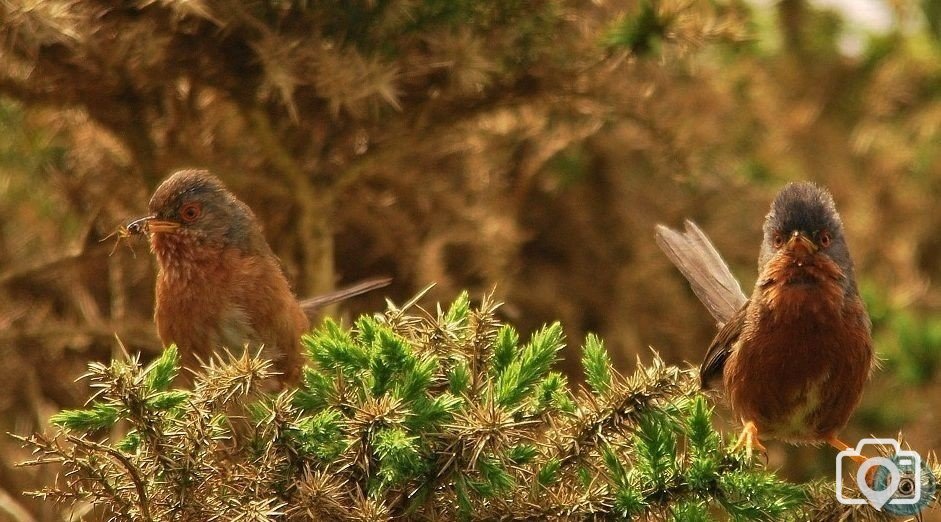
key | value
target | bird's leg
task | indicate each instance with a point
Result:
(749, 439)
(859, 459)
(842, 446)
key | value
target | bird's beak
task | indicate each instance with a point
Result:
(800, 240)
(160, 225)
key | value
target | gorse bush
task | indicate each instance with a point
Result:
(414, 414)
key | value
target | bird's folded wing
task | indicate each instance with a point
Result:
(312, 304)
(722, 346)
(708, 275)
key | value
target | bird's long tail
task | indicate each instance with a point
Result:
(708, 275)
(312, 304)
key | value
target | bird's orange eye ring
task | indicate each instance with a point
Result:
(778, 240)
(824, 238)
(190, 212)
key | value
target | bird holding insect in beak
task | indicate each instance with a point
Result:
(219, 285)
(795, 356)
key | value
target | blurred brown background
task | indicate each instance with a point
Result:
(529, 146)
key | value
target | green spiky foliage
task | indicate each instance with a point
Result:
(441, 415)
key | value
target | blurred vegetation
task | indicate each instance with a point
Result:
(527, 145)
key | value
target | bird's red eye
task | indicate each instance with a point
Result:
(778, 240)
(824, 239)
(190, 212)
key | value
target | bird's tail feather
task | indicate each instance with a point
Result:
(708, 275)
(312, 304)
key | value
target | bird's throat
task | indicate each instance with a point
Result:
(795, 289)
(184, 258)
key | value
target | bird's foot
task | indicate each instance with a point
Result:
(749, 440)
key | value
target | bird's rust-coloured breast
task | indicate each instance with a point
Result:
(229, 300)
(801, 363)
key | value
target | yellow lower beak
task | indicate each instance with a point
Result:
(160, 226)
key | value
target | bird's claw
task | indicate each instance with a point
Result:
(749, 440)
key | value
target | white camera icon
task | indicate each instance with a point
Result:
(902, 483)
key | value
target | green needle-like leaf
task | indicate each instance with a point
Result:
(159, 375)
(597, 365)
(97, 417)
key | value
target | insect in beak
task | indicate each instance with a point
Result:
(138, 227)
